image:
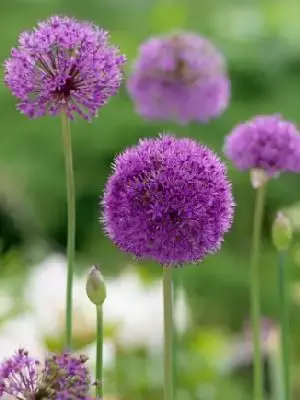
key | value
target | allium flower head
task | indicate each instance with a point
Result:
(63, 377)
(179, 77)
(168, 200)
(265, 142)
(63, 65)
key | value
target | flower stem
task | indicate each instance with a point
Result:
(277, 389)
(168, 333)
(176, 286)
(67, 146)
(255, 295)
(284, 322)
(99, 354)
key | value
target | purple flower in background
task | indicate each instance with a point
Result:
(62, 377)
(63, 66)
(179, 77)
(168, 200)
(267, 143)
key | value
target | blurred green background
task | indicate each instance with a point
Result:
(261, 41)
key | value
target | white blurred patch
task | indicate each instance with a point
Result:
(20, 333)
(6, 303)
(138, 310)
(133, 308)
(46, 296)
(109, 355)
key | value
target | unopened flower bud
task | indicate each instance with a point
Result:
(95, 286)
(282, 232)
(258, 178)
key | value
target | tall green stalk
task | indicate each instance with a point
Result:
(276, 381)
(67, 146)
(168, 333)
(96, 292)
(284, 323)
(176, 287)
(255, 295)
(99, 354)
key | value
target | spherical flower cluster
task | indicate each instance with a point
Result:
(62, 377)
(63, 66)
(179, 77)
(66, 376)
(168, 200)
(267, 143)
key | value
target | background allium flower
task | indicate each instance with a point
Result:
(62, 377)
(63, 64)
(265, 142)
(168, 200)
(179, 77)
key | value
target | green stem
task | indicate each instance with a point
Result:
(255, 295)
(284, 322)
(168, 333)
(277, 390)
(176, 287)
(99, 354)
(67, 146)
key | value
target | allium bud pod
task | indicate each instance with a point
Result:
(95, 286)
(258, 178)
(282, 232)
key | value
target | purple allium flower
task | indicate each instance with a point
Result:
(168, 200)
(63, 65)
(63, 377)
(179, 77)
(19, 376)
(66, 376)
(265, 142)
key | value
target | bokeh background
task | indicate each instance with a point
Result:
(261, 43)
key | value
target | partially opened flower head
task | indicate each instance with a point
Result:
(63, 65)
(168, 200)
(266, 143)
(61, 377)
(180, 77)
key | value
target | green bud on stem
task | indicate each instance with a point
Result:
(282, 232)
(95, 286)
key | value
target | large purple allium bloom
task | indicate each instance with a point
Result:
(63, 66)
(62, 377)
(179, 77)
(265, 142)
(168, 200)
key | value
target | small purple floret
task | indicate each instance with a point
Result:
(19, 375)
(168, 200)
(179, 77)
(63, 65)
(265, 142)
(62, 377)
